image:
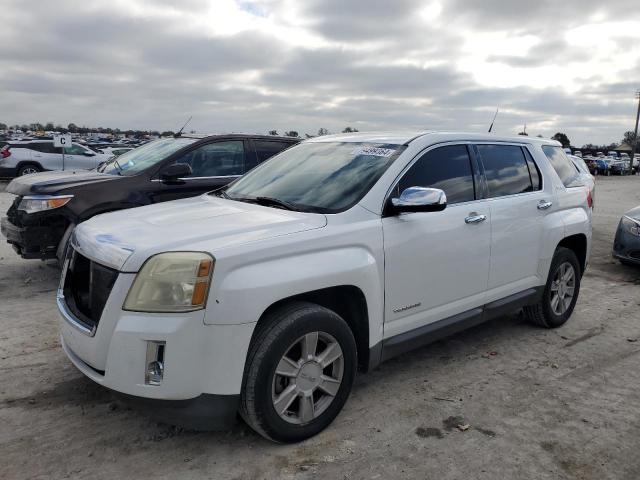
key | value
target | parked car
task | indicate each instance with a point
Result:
(619, 167)
(48, 206)
(626, 245)
(603, 166)
(586, 178)
(114, 151)
(33, 156)
(578, 153)
(592, 164)
(336, 254)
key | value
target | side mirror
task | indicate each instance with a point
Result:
(89, 154)
(420, 199)
(173, 173)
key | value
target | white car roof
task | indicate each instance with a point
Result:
(432, 136)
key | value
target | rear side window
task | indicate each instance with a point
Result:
(506, 170)
(43, 147)
(447, 168)
(266, 149)
(561, 164)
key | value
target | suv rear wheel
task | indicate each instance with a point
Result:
(560, 293)
(28, 169)
(299, 372)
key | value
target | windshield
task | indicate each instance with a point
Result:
(139, 159)
(318, 177)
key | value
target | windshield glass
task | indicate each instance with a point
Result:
(319, 177)
(136, 160)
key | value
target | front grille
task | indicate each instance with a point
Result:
(87, 286)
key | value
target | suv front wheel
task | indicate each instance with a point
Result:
(299, 372)
(560, 293)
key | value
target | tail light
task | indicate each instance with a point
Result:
(5, 152)
(589, 198)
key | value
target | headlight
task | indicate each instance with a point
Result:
(39, 203)
(631, 226)
(171, 282)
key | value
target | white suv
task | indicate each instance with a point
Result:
(264, 298)
(32, 156)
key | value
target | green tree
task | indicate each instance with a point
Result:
(629, 138)
(563, 139)
(49, 126)
(168, 133)
(273, 132)
(349, 130)
(3, 126)
(72, 127)
(323, 131)
(292, 133)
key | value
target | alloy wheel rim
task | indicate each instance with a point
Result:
(307, 378)
(563, 288)
(28, 171)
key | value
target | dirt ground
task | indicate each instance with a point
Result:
(561, 404)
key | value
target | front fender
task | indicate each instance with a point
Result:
(246, 292)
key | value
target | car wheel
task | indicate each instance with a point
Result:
(28, 170)
(627, 263)
(299, 372)
(560, 292)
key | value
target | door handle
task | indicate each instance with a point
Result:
(543, 205)
(37, 156)
(475, 218)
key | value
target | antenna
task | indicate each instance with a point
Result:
(185, 124)
(493, 121)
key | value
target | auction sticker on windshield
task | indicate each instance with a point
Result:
(374, 151)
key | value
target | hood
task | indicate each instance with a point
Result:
(634, 213)
(56, 182)
(124, 240)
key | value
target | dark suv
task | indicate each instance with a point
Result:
(49, 205)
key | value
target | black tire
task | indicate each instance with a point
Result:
(542, 313)
(627, 263)
(28, 168)
(270, 343)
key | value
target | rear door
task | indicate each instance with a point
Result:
(46, 155)
(518, 207)
(213, 165)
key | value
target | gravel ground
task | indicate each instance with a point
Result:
(540, 404)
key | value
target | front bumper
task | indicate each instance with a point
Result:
(626, 246)
(203, 364)
(204, 412)
(32, 241)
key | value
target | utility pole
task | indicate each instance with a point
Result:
(635, 138)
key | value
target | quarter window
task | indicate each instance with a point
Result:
(506, 170)
(561, 164)
(219, 159)
(447, 168)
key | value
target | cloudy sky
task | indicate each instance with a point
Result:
(253, 66)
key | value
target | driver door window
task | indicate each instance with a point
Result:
(74, 150)
(220, 159)
(447, 168)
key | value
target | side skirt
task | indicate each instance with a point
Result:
(419, 337)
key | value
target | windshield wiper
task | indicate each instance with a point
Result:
(275, 202)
